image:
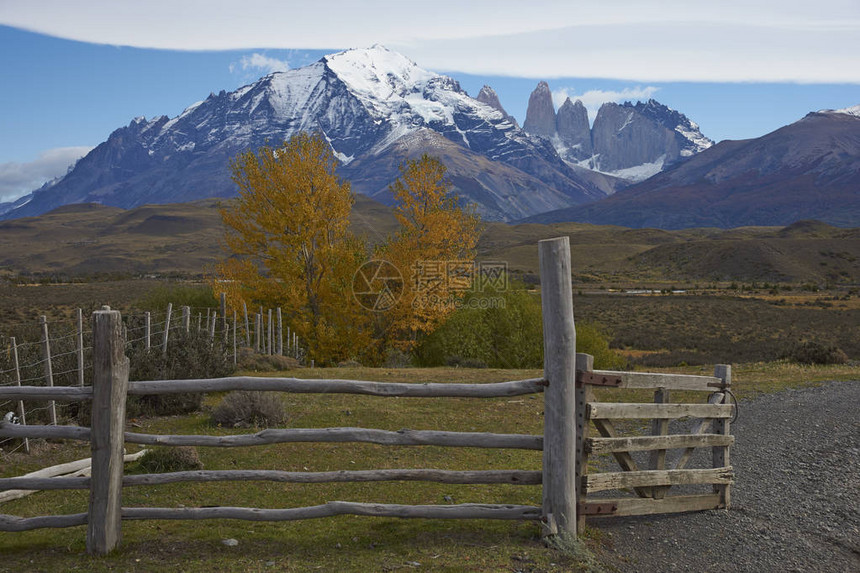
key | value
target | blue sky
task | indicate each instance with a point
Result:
(70, 78)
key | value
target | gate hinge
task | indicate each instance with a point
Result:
(585, 377)
(595, 508)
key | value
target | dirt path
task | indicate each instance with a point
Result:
(795, 503)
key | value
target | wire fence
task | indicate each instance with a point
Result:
(60, 353)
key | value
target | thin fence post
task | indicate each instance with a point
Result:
(147, 329)
(199, 321)
(186, 319)
(49, 372)
(166, 328)
(257, 320)
(269, 338)
(289, 342)
(208, 319)
(21, 413)
(110, 385)
(224, 316)
(235, 350)
(80, 343)
(212, 325)
(295, 345)
(559, 340)
(280, 334)
(247, 326)
(720, 454)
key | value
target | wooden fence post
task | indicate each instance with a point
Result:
(49, 372)
(224, 316)
(110, 383)
(280, 334)
(235, 350)
(257, 329)
(212, 325)
(166, 328)
(247, 326)
(720, 454)
(80, 349)
(186, 318)
(21, 413)
(584, 395)
(559, 341)
(147, 329)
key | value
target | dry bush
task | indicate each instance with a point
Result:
(249, 360)
(175, 459)
(815, 352)
(244, 409)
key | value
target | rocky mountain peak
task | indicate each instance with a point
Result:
(489, 96)
(540, 114)
(574, 131)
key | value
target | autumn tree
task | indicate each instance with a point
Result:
(434, 249)
(290, 245)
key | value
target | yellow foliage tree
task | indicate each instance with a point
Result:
(290, 245)
(434, 250)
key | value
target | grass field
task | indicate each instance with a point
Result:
(343, 543)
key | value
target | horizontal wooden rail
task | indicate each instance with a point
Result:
(651, 478)
(514, 477)
(649, 506)
(618, 410)
(661, 380)
(298, 386)
(38, 393)
(403, 437)
(332, 508)
(14, 523)
(645, 443)
(292, 385)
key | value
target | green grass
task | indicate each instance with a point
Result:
(346, 543)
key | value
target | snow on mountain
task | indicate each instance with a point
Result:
(363, 101)
(854, 110)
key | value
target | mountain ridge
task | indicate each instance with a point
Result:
(363, 101)
(809, 169)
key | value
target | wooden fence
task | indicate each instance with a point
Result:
(567, 410)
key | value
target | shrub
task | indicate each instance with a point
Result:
(505, 334)
(189, 355)
(249, 360)
(396, 358)
(815, 352)
(195, 296)
(250, 409)
(175, 459)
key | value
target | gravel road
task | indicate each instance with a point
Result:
(795, 502)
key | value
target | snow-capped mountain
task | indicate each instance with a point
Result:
(373, 105)
(630, 141)
(809, 169)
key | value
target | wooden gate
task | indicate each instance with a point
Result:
(648, 488)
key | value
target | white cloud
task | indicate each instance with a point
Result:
(593, 99)
(17, 179)
(261, 62)
(639, 40)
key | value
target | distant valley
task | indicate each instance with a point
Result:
(183, 240)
